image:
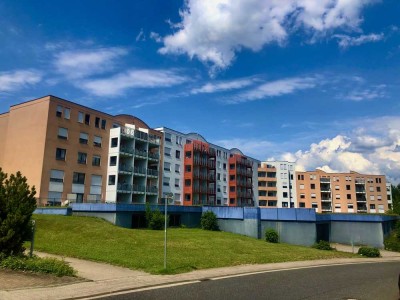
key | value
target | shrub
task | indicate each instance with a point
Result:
(322, 245)
(17, 203)
(157, 220)
(369, 252)
(392, 243)
(271, 235)
(39, 265)
(397, 230)
(209, 221)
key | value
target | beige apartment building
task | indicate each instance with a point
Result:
(63, 148)
(342, 192)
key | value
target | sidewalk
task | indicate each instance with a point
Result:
(103, 279)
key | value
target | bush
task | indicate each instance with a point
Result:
(271, 235)
(209, 221)
(323, 245)
(157, 220)
(392, 243)
(397, 230)
(39, 265)
(369, 252)
(17, 203)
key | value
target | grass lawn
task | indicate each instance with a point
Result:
(188, 249)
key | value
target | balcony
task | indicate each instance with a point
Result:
(140, 153)
(360, 191)
(326, 199)
(360, 181)
(325, 180)
(123, 169)
(153, 139)
(141, 135)
(126, 151)
(152, 173)
(154, 156)
(139, 171)
(138, 189)
(124, 188)
(152, 190)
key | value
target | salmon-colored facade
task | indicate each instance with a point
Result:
(267, 188)
(60, 146)
(240, 181)
(342, 192)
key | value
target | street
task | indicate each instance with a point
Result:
(356, 281)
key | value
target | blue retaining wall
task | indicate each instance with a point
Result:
(63, 211)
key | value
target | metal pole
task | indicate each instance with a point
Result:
(33, 238)
(165, 233)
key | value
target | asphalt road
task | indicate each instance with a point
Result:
(357, 281)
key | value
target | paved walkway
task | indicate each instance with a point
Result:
(104, 279)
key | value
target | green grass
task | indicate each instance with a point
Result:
(188, 249)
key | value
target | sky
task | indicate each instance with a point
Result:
(316, 82)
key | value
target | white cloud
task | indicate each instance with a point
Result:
(120, 83)
(15, 80)
(275, 89)
(156, 37)
(374, 92)
(371, 149)
(140, 37)
(213, 31)
(346, 41)
(76, 64)
(223, 86)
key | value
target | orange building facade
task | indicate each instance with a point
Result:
(342, 192)
(240, 181)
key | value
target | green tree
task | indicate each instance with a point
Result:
(396, 199)
(17, 203)
(209, 221)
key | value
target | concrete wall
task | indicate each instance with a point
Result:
(361, 233)
(296, 233)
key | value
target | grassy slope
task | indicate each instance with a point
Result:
(188, 249)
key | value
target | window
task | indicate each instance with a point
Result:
(313, 196)
(67, 113)
(82, 158)
(302, 204)
(96, 160)
(56, 176)
(78, 178)
(187, 197)
(87, 119)
(378, 180)
(302, 186)
(302, 196)
(232, 188)
(113, 160)
(177, 168)
(188, 154)
(284, 204)
(103, 124)
(62, 133)
(167, 151)
(168, 137)
(337, 196)
(371, 197)
(83, 138)
(61, 154)
(347, 187)
(285, 194)
(224, 166)
(97, 122)
(188, 182)
(224, 178)
(224, 189)
(300, 177)
(97, 141)
(314, 205)
(232, 178)
(178, 140)
(232, 201)
(218, 176)
(371, 188)
(80, 117)
(312, 186)
(372, 206)
(178, 154)
(166, 181)
(59, 111)
(348, 196)
(232, 166)
(114, 142)
(379, 197)
(167, 166)
(96, 180)
(188, 168)
(111, 180)
(350, 206)
(176, 182)
(378, 188)
(336, 187)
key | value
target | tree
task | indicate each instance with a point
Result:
(396, 199)
(17, 204)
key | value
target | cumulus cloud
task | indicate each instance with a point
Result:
(76, 64)
(213, 31)
(346, 41)
(223, 86)
(120, 83)
(274, 89)
(15, 80)
(371, 149)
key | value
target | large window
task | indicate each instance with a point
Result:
(97, 141)
(97, 122)
(96, 160)
(83, 138)
(114, 142)
(78, 178)
(62, 133)
(59, 111)
(61, 154)
(56, 176)
(87, 119)
(103, 124)
(113, 161)
(82, 157)
(80, 117)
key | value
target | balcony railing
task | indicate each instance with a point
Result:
(151, 172)
(126, 169)
(127, 150)
(154, 156)
(325, 180)
(138, 188)
(141, 153)
(125, 187)
(139, 170)
(152, 189)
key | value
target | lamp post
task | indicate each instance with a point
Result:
(166, 198)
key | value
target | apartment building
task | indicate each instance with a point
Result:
(342, 192)
(66, 150)
(277, 184)
(197, 172)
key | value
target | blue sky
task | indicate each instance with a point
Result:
(311, 81)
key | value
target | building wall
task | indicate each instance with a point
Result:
(342, 192)
(3, 135)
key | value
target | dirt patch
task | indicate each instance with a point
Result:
(17, 279)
